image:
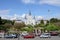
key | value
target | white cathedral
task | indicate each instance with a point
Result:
(28, 19)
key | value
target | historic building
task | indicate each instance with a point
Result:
(28, 19)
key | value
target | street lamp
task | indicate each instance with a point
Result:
(48, 13)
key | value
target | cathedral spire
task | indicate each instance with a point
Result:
(29, 12)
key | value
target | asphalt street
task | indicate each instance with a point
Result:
(36, 38)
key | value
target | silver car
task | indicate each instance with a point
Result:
(45, 35)
(10, 35)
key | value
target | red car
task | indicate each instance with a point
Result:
(29, 36)
(54, 33)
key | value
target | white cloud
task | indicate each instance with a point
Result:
(4, 17)
(23, 15)
(28, 1)
(4, 14)
(39, 17)
(4, 11)
(17, 17)
(50, 2)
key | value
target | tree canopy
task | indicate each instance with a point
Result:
(52, 27)
(53, 20)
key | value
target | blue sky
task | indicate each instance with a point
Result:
(37, 8)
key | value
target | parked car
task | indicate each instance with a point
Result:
(24, 33)
(45, 35)
(54, 33)
(29, 36)
(59, 35)
(10, 36)
(1, 35)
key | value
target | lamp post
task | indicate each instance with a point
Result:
(18, 35)
(49, 12)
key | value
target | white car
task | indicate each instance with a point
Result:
(24, 33)
(1, 35)
(45, 35)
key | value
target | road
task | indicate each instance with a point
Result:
(36, 38)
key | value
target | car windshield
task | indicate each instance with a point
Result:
(45, 34)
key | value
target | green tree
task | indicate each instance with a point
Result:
(12, 22)
(18, 26)
(52, 27)
(47, 23)
(0, 21)
(53, 20)
(28, 28)
(7, 26)
(4, 21)
(3, 28)
(42, 22)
